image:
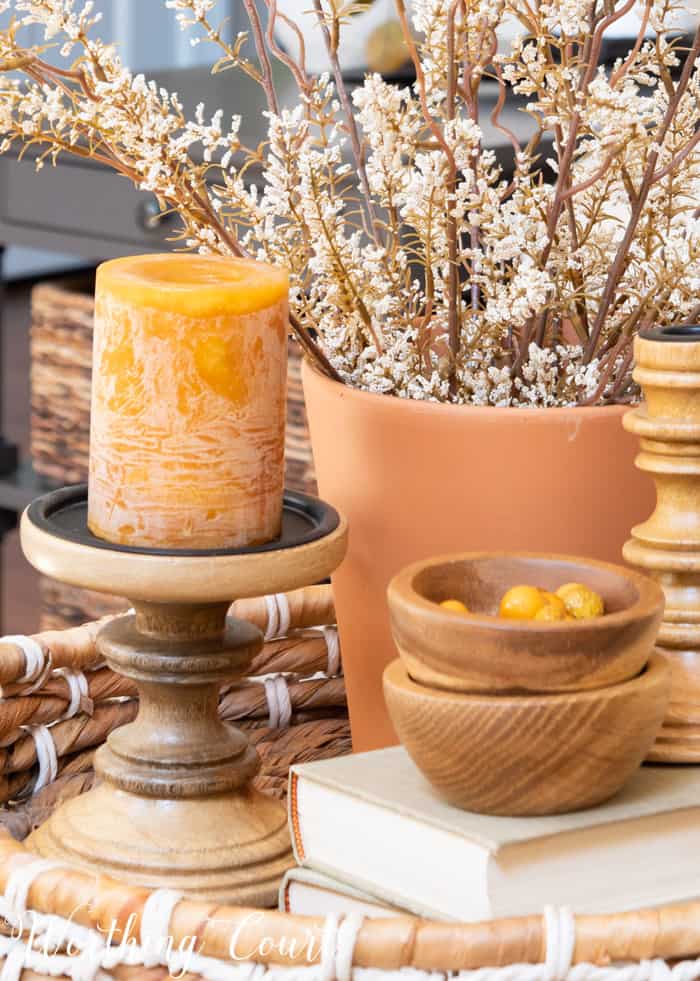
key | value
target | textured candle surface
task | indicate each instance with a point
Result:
(188, 402)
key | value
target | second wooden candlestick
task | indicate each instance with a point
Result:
(667, 545)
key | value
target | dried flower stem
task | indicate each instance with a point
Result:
(416, 268)
(331, 42)
(620, 259)
(591, 65)
(453, 311)
(263, 58)
(620, 73)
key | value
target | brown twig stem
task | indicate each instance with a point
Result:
(263, 57)
(592, 57)
(678, 159)
(331, 43)
(420, 82)
(298, 69)
(619, 262)
(594, 178)
(629, 61)
(453, 293)
(498, 108)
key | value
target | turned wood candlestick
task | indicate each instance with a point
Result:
(667, 545)
(175, 807)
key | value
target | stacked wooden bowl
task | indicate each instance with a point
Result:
(524, 717)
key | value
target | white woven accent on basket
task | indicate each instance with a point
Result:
(272, 618)
(345, 946)
(279, 704)
(329, 945)
(20, 882)
(560, 931)
(79, 693)
(278, 616)
(337, 950)
(37, 665)
(155, 924)
(13, 968)
(46, 756)
(330, 635)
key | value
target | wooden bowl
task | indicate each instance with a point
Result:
(521, 755)
(480, 651)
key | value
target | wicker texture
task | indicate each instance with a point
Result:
(61, 359)
(102, 923)
(278, 749)
(317, 726)
(526, 948)
(64, 606)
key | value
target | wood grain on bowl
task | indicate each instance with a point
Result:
(528, 754)
(481, 652)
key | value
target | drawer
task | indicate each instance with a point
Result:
(88, 201)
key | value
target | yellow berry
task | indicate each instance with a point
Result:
(455, 605)
(551, 599)
(551, 612)
(581, 601)
(522, 603)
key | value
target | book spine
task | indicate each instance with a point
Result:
(294, 824)
(283, 904)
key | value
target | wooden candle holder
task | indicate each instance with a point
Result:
(667, 545)
(175, 807)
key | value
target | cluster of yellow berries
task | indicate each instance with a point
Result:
(572, 601)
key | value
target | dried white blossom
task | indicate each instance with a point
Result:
(421, 270)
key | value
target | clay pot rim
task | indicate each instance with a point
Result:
(656, 670)
(536, 413)
(403, 595)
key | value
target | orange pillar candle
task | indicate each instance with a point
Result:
(188, 401)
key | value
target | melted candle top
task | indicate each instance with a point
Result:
(194, 285)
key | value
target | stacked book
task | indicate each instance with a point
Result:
(370, 836)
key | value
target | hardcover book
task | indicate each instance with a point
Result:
(371, 821)
(308, 893)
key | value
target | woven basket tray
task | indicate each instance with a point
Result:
(64, 606)
(61, 359)
(58, 921)
(61, 922)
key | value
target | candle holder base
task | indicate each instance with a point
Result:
(174, 806)
(232, 848)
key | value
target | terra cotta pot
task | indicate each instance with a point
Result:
(421, 478)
